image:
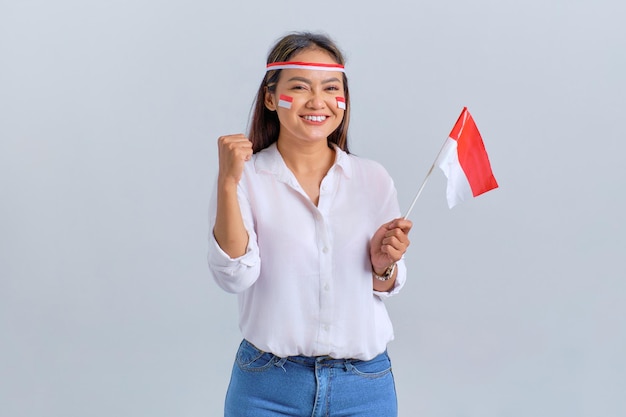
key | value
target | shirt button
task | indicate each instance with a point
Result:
(326, 328)
(326, 287)
(325, 249)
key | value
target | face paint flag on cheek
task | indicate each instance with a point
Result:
(285, 101)
(341, 103)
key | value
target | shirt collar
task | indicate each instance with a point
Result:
(270, 160)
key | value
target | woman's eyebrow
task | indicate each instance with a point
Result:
(301, 79)
(308, 81)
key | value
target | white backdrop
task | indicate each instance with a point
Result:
(109, 116)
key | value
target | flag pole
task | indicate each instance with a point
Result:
(419, 191)
(430, 171)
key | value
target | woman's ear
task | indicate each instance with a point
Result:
(269, 100)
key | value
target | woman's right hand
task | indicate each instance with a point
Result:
(233, 151)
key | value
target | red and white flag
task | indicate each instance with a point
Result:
(341, 103)
(465, 163)
(285, 101)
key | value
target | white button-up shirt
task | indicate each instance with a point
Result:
(304, 284)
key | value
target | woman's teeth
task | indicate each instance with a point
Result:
(315, 118)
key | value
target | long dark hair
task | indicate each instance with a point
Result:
(265, 126)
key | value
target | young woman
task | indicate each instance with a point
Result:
(309, 237)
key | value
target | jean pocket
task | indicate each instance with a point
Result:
(249, 358)
(375, 368)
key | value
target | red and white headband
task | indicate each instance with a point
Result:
(305, 65)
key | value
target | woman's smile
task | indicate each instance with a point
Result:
(314, 119)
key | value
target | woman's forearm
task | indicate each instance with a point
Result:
(229, 230)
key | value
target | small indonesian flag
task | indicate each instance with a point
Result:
(465, 163)
(341, 103)
(285, 101)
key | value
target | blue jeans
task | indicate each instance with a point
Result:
(264, 385)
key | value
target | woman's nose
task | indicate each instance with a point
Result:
(316, 101)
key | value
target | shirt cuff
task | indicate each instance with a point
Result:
(220, 260)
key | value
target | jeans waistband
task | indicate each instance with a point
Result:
(312, 361)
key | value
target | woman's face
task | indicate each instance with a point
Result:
(314, 112)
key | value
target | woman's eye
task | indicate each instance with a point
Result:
(333, 88)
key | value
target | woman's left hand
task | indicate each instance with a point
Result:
(389, 244)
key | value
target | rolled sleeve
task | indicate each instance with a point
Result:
(234, 274)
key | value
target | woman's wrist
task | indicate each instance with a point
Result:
(226, 183)
(384, 274)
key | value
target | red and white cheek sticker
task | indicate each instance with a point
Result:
(285, 101)
(341, 103)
